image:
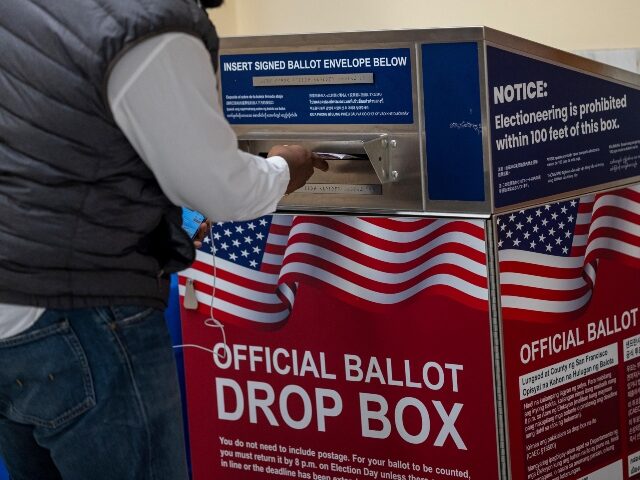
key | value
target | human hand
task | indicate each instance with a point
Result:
(203, 229)
(301, 164)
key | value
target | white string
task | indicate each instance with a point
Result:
(212, 321)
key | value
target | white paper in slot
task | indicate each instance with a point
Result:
(337, 156)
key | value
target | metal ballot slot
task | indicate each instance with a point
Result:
(369, 165)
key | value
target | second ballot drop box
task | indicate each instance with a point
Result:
(456, 298)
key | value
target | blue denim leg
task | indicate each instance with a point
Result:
(92, 394)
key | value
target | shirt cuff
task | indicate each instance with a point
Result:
(282, 166)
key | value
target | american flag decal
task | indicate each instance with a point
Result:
(248, 258)
(368, 262)
(549, 255)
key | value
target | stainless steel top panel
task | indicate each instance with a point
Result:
(390, 169)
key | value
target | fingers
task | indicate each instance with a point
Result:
(201, 234)
(319, 162)
(299, 154)
(301, 162)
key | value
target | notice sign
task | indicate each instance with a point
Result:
(554, 130)
(346, 86)
(569, 283)
(369, 356)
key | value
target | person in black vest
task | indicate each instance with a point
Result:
(109, 118)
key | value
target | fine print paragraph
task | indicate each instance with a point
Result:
(264, 460)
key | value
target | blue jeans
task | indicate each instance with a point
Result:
(91, 394)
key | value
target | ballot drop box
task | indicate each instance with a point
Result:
(457, 297)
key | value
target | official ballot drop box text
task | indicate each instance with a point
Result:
(456, 298)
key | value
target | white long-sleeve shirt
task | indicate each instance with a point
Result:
(162, 94)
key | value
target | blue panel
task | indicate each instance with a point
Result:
(172, 318)
(555, 130)
(387, 100)
(453, 127)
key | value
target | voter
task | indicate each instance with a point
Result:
(108, 119)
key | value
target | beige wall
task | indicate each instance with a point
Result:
(225, 18)
(566, 24)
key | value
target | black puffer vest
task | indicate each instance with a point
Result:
(83, 221)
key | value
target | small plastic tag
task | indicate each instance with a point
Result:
(190, 300)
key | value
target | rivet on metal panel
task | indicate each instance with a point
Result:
(379, 153)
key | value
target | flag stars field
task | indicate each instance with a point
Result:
(556, 275)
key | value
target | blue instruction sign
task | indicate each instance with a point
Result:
(555, 130)
(331, 87)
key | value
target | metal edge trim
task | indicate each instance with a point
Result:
(422, 128)
(486, 124)
(379, 213)
(472, 33)
(497, 343)
(606, 187)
